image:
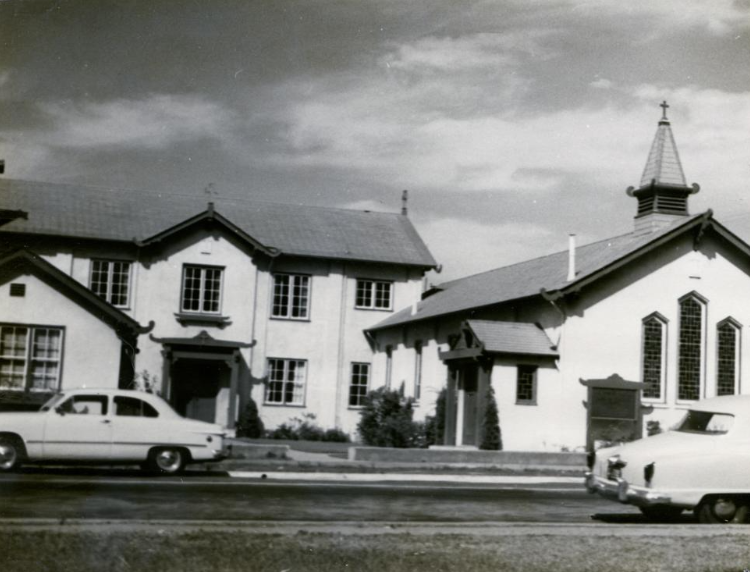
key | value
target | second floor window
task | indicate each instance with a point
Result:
(110, 279)
(201, 289)
(291, 296)
(374, 295)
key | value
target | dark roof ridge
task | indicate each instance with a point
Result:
(207, 199)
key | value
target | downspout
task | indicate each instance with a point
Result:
(341, 347)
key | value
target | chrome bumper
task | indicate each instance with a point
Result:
(222, 454)
(620, 490)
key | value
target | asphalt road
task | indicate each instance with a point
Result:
(131, 495)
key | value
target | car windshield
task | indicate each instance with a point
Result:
(706, 423)
(54, 400)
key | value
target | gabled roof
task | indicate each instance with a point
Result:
(21, 260)
(548, 274)
(512, 338)
(300, 230)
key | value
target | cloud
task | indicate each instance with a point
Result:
(602, 84)
(492, 245)
(153, 122)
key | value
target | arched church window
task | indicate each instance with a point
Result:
(690, 356)
(727, 344)
(653, 353)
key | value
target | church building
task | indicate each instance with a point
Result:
(604, 341)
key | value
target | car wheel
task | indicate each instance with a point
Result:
(721, 511)
(167, 460)
(10, 454)
(661, 513)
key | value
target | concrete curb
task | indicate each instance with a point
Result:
(408, 478)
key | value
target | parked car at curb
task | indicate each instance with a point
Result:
(703, 464)
(108, 427)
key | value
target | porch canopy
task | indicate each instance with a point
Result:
(481, 337)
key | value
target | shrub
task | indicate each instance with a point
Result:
(653, 428)
(250, 424)
(306, 429)
(386, 420)
(434, 425)
(335, 435)
(491, 439)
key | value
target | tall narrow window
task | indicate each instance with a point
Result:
(690, 362)
(388, 365)
(653, 357)
(201, 289)
(286, 381)
(30, 357)
(417, 370)
(291, 296)
(360, 381)
(727, 372)
(374, 295)
(526, 385)
(111, 280)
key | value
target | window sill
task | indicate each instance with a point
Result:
(296, 406)
(283, 319)
(526, 403)
(373, 309)
(187, 318)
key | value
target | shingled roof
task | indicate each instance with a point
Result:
(125, 215)
(547, 274)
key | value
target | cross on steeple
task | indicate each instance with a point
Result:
(664, 108)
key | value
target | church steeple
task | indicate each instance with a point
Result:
(663, 192)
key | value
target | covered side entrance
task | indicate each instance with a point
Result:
(201, 377)
(470, 361)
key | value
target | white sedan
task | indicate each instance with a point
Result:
(703, 465)
(110, 427)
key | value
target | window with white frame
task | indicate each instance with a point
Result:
(201, 289)
(653, 361)
(374, 295)
(526, 385)
(110, 279)
(291, 296)
(727, 356)
(359, 384)
(286, 381)
(417, 370)
(30, 357)
(690, 356)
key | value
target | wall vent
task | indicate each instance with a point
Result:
(18, 290)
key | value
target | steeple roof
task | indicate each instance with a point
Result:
(663, 166)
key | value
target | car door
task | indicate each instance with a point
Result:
(79, 428)
(136, 427)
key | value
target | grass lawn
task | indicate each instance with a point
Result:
(210, 550)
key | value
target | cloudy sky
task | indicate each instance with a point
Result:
(511, 122)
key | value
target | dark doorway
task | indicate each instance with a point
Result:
(468, 381)
(196, 385)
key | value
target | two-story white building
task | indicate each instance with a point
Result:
(666, 305)
(213, 301)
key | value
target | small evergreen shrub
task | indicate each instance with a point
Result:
(491, 439)
(250, 424)
(386, 420)
(335, 435)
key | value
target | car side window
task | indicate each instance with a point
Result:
(85, 405)
(132, 407)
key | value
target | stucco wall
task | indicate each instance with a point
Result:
(91, 349)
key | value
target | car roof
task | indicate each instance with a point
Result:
(731, 404)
